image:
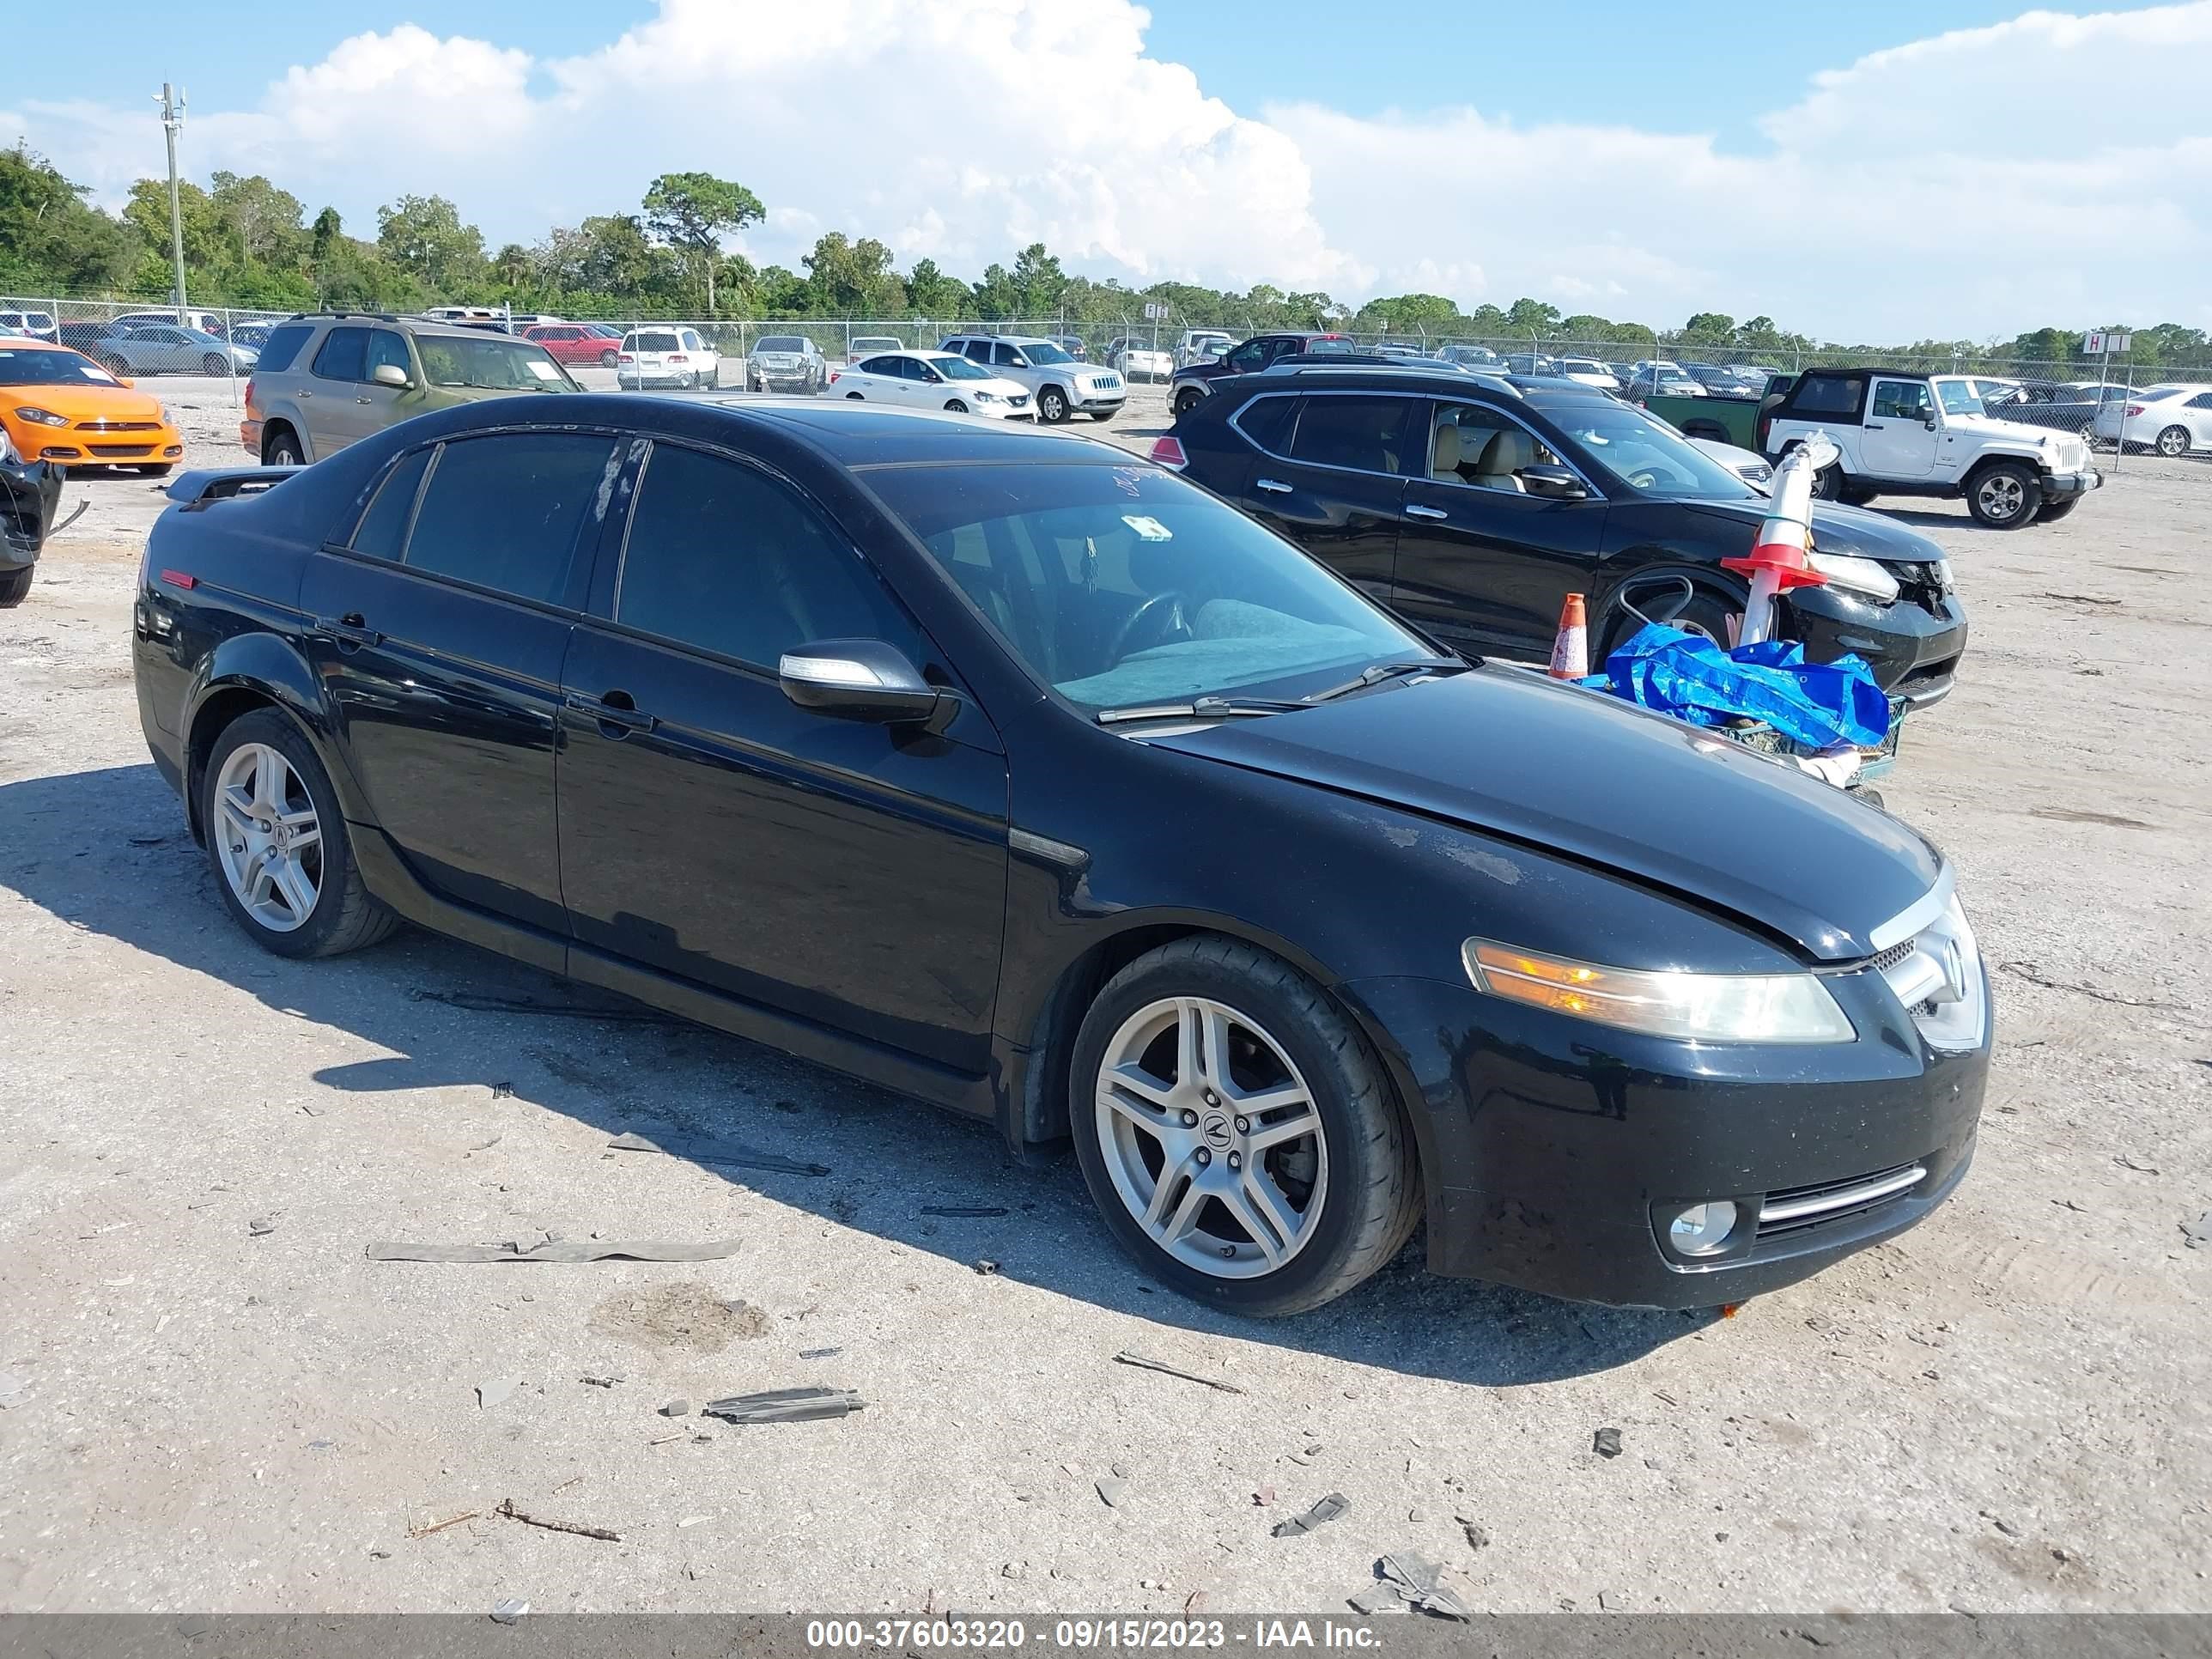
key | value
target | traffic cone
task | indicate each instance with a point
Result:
(1780, 559)
(1571, 649)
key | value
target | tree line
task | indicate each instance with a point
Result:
(250, 244)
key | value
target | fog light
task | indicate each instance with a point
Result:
(1702, 1229)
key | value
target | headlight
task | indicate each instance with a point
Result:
(1858, 576)
(43, 417)
(986, 396)
(1780, 1008)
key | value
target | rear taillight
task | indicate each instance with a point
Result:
(1167, 452)
(834, 373)
(249, 389)
(2136, 409)
(624, 357)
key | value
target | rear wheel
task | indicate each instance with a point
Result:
(115, 365)
(1188, 399)
(15, 586)
(1052, 405)
(215, 363)
(1236, 1131)
(609, 359)
(2173, 442)
(2004, 495)
(281, 448)
(279, 845)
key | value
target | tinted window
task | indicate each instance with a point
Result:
(1823, 394)
(1246, 358)
(892, 366)
(1367, 434)
(384, 527)
(980, 351)
(385, 347)
(723, 558)
(2202, 400)
(284, 342)
(1266, 421)
(504, 512)
(345, 356)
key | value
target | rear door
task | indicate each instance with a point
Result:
(848, 873)
(1899, 437)
(337, 412)
(440, 632)
(2199, 414)
(1482, 563)
(1337, 484)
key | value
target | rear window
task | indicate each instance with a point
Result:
(283, 346)
(503, 511)
(383, 528)
(779, 342)
(654, 342)
(1826, 394)
(1266, 421)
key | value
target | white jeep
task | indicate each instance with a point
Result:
(1901, 433)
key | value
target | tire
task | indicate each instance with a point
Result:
(1829, 484)
(688, 383)
(956, 407)
(341, 915)
(1355, 1165)
(281, 448)
(216, 364)
(1052, 405)
(609, 359)
(2053, 511)
(2004, 495)
(15, 586)
(1853, 494)
(157, 470)
(1715, 616)
(1188, 399)
(1102, 416)
(115, 365)
(2173, 442)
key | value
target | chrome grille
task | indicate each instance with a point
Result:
(1928, 957)
(1796, 1209)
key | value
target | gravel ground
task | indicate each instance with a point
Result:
(215, 1403)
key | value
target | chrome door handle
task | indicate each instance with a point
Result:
(361, 400)
(608, 714)
(348, 630)
(303, 392)
(1417, 512)
(1273, 486)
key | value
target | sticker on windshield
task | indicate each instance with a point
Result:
(543, 368)
(1151, 529)
(94, 372)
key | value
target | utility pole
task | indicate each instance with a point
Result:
(172, 118)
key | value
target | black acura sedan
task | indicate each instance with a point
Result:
(1028, 779)
(1474, 506)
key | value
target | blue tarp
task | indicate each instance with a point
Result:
(1818, 705)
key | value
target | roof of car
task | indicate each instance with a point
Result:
(21, 342)
(1540, 390)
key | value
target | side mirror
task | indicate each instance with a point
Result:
(125, 380)
(1929, 420)
(1555, 483)
(859, 680)
(390, 374)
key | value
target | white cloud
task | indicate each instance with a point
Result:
(1970, 184)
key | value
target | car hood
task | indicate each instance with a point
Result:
(1507, 752)
(88, 401)
(2019, 432)
(1837, 529)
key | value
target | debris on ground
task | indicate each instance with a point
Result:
(1128, 1358)
(1194, 1602)
(260, 1227)
(491, 1394)
(969, 1210)
(450, 1521)
(1477, 1536)
(801, 1405)
(607, 1382)
(1111, 1489)
(694, 1520)
(679, 1407)
(1264, 1497)
(1322, 1513)
(1409, 1584)
(2198, 1231)
(1606, 1442)
(704, 1151)
(819, 1353)
(2127, 1162)
(13, 1386)
(986, 1267)
(560, 1250)
(507, 1508)
(506, 1612)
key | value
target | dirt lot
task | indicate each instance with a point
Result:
(216, 1402)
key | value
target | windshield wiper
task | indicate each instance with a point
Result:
(1197, 708)
(1389, 671)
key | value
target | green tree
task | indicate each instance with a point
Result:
(996, 297)
(1410, 313)
(931, 292)
(851, 279)
(425, 237)
(1531, 317)
(694, 211)
(1711, 325)
(1039, 282)
(49, 238)
(261, 221)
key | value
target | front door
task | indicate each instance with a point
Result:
(1483, 563)
(849, 873)
(1335, 483)
(1899, 438)
(440, 635)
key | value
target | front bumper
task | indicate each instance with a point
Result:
(78, 446)
(1099, 402)
(2065, 486)
(1554, 1149)
(30, 496)
(1914, 647)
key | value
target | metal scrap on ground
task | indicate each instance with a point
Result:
(2198, 1231)
(717, 1151)
(1327, 1511)
(1409, 1585)
(1126, 1357)
(560, 1250)
(507, 1508)
(802, 1404)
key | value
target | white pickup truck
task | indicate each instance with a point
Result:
(1901, 433)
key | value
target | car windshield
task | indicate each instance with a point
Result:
(1124, 585)
(21, 368)
(1650, 458)
(491, 363)
(955, 368)
(1958, 397)
(1044, 351)
(780, 343)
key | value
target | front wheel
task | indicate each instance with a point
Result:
(215, 363)
(609, 359)
(2005, 496)
(115, 365)
(956, 407)
(15, 586)
(283, 859)
(1236, 1131)
(2173, 442)
(1052, 405)
(2054, 511)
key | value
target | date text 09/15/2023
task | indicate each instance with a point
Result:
(1086, 1635)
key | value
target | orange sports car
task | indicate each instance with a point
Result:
(59, 405)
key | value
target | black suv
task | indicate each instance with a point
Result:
(1474, 506)
(1193, 381)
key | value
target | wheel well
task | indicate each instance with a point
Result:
(272, 429)
(1710, 431)
(1985, 463)
(213, 718)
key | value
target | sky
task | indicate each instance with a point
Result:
(1876, 171)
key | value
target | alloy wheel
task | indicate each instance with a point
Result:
(2173, 442)
(1211, 1137)
(268, 837)
(2001, 497)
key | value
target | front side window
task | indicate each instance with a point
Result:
(387, 349)
(504, 512)
(491, 362)
(1246, 358)
(1648, 456)
(2202, 400)
(959, 368)
(1908, 400)
(1122, 586)
(345, 356)
(1045, 352)
(722, 558)
(1365, 434)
